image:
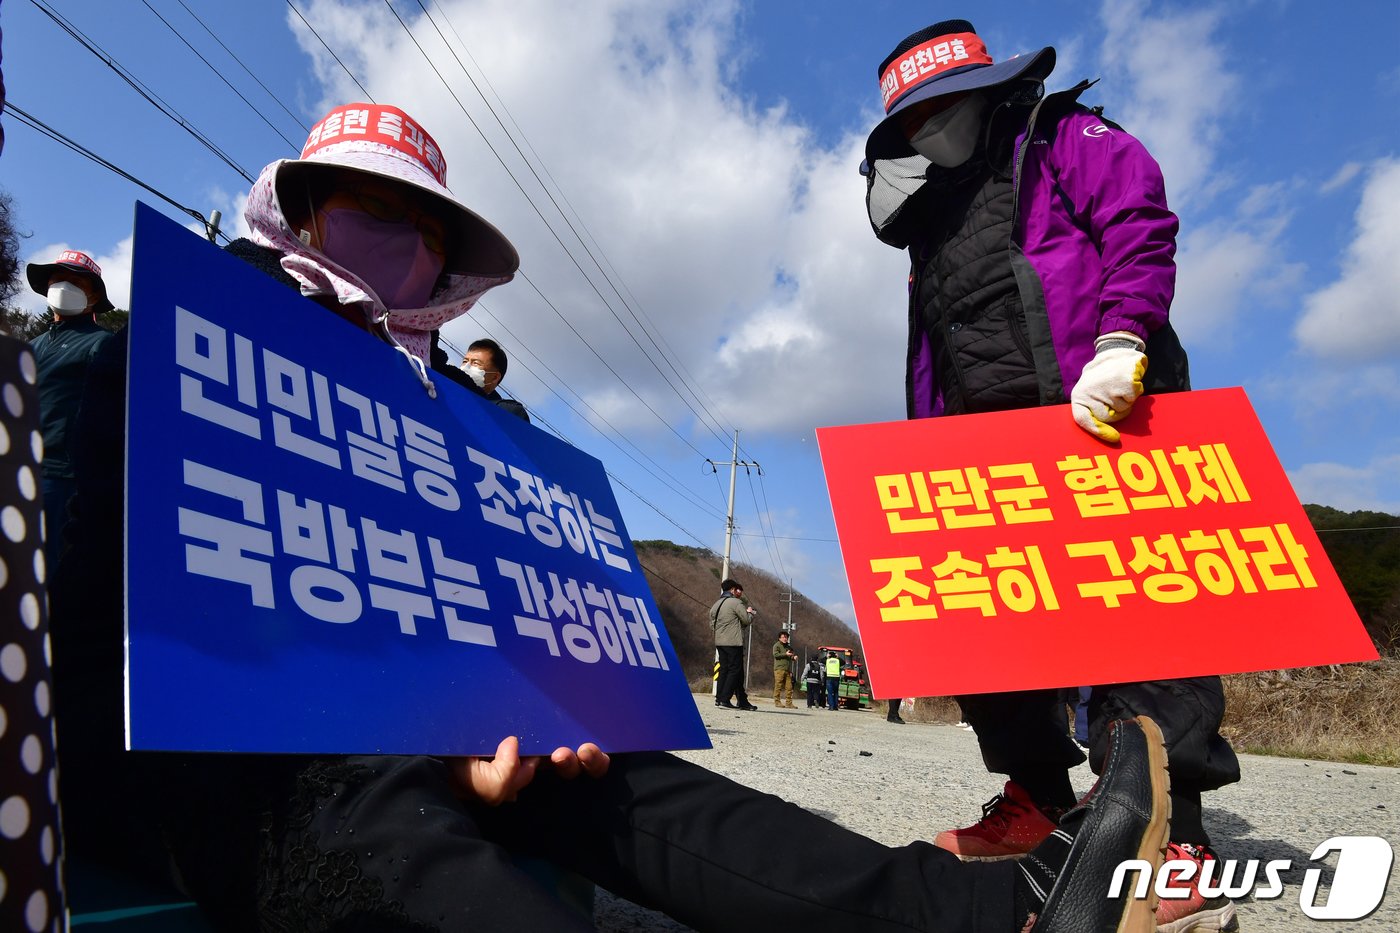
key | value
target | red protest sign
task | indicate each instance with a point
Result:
(1012, 551)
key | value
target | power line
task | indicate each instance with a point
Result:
(535, 207)
(220, 74)
(296, 119)
(331, 51)
(545, 188)
(677, 487)
(141, 89)
(36, 124)
(687, 378)
(775, 561)
(553, 429)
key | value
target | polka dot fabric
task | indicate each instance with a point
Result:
(31, 888)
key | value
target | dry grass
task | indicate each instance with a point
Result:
(1347, 713)
(1341, 713)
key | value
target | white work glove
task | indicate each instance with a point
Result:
(1109, 385)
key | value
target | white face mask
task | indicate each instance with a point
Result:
(478, 375)
(949, 137)
(67, 299)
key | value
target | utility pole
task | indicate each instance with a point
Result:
(733, 463)
(789, 598)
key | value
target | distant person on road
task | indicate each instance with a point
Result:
(783, 659)
(730, 620)
(892, 712)
(485, 362)
(812, 681)
(76, 294)
(1041, 272)
(833, 679)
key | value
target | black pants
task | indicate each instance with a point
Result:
(1025, 733)
(382, 844)
(731, 674)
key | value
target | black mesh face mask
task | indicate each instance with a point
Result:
(896, 189)
(890, 187)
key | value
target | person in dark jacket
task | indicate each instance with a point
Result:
(76, 294)
(485, 363)
(730, 619)
(814, 684)
(413, 843)
(1041, 272)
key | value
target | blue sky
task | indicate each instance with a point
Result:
(707, 153)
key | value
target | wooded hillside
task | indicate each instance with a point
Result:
(1364, 547)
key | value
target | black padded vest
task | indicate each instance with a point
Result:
(965, 298)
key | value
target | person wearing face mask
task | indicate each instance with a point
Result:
(485, 364)
(1041, 272)
(73, 286)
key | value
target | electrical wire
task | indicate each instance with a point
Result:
(136, 85)
(229, 84)
(701, 418)
(249, 72)
(661, 472)
(535, 207)
(325, 46)
(688, 379)
(775, 559)
(35, 123)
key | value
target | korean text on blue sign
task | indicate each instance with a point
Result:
(321, 557)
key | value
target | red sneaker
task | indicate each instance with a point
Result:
(1195, 913)
(1011, 825)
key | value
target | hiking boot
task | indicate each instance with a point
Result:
(1195, 913)
(1011, 825)
(1062, 886)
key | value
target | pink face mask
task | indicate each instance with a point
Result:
(389, 256)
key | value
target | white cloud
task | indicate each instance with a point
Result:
(1229, 265)
(1342, 178)
(1178, 95)
(1358, 315)
(1373, 487)
(743, 240)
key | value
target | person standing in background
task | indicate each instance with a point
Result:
(73, 286)
(729, 619)
(783, 658)
(833, 679)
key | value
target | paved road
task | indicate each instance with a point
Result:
(921, 778)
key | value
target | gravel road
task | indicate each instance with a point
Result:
(923, 777)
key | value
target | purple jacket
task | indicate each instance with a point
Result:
(1093, 228)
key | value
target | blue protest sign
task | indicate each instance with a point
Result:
(322, 558)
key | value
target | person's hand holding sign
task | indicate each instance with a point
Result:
(1109, 385)
(499, 779)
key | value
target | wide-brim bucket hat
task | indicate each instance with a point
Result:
(382, 140)
(70, 260)
(945, 58)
